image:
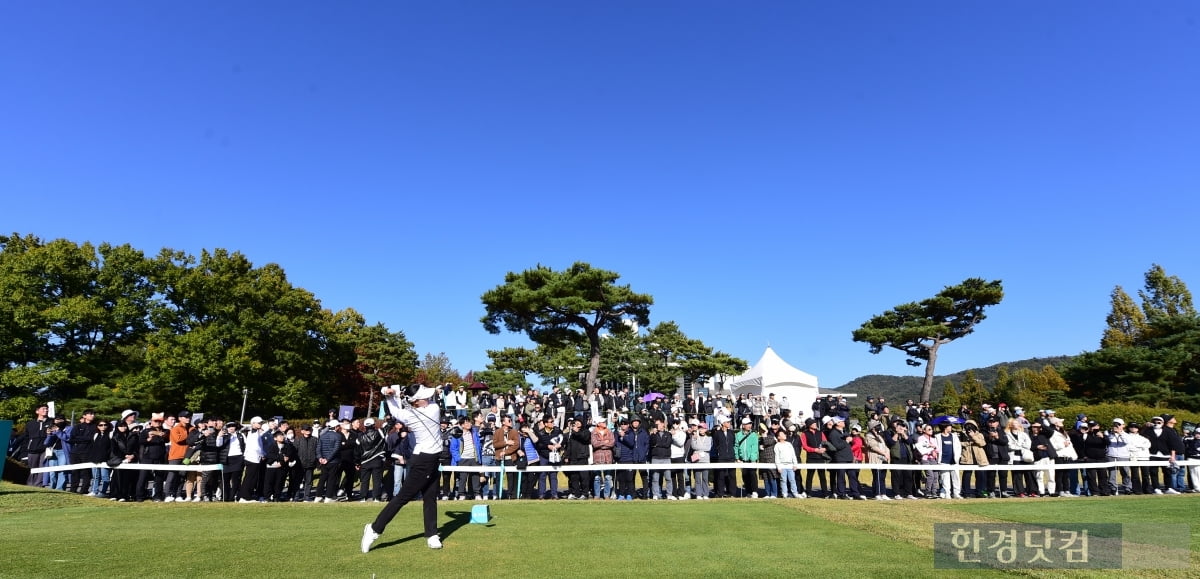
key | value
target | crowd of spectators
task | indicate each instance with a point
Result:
(365, 459)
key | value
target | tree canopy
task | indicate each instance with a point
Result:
(1151, 355)
(919, 329)
(559, 307)
(108, 327)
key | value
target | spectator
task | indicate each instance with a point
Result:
(100, 452)
(1118, 451)
(660, 453)
(1139, 451)
(305, 465)
(1095, 444)
(125, 447)
(1064, 452)
(746, 450)
(702, 445)
(1043, 454)
(813, 441)
(35, 443)
(974, 453)
(928, 448)
(329, 456)
(996, 449)
(877, 453)
(369, 451)
(603, 441)
(81, 437)
(846, 485)
(153, 446)
(507, 441)
(766, 454)
(579, 443)
(548, 443)
(233, 447)
(1191, 451)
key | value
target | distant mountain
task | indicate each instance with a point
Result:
(904, 387)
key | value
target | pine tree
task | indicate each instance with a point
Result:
(1126, 321)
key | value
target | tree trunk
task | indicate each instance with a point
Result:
(927, 385)
(594, 360)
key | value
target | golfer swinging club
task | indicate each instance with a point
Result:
(412, 406)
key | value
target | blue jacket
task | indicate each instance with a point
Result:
(634, 445)
(329, 445)
(456, 446)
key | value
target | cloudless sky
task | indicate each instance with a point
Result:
(773, 173)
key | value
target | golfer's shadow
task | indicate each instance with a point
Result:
(458, 519)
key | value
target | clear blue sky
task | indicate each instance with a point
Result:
(771, 172)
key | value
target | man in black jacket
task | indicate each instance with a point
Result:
(369, 451)
(82, 435)
(722, 451)
(35, 443)
(1165, 446)
(301, 481)
(847, 479)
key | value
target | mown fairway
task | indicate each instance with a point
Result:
(50, 534)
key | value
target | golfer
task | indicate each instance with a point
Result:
(413, 407)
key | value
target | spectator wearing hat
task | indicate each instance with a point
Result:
(995, 482)
(1064, 452)
(579, 442)
(766, 454)
(125, 447)
(876, 452)
(278, 452)
(176, 453)
(633, 447)
(813, 442)
(1095, 453)
(252, 455)
(370, 447)
(152, 448)
(901, 451)
(679, 451)
(603, 442)
(1165, 446)
(1139, 451)
(232, 459)
(949, 451)
(723, 452)
(974, 453)
(1043, 454)
(701, 444)
(329, 457)
(745, 450)
(846, 480)
(1118, 451)
(301, 478)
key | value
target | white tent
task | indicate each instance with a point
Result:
(772, 375)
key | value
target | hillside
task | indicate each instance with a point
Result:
(904, 387)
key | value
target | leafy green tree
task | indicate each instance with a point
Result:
(919, 329)
(949, 402)
(1126, 321)
(1165, 295)
(557, 307)
(499, 380)
(972, 392)
(1004, 390)
(233, 327)
(435, 370)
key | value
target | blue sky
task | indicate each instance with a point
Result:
(771, 172)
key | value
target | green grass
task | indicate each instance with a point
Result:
(49, 534)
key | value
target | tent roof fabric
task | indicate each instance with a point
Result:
(771, 370)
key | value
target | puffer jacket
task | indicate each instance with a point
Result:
(974, 446)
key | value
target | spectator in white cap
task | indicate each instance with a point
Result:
(369, 451)
(1118, 451)
(329, 457)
